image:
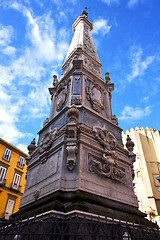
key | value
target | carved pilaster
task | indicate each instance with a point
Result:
(71, 144)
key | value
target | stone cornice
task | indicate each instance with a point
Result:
(85, 20)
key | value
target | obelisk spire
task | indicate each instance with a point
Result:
(82, 45)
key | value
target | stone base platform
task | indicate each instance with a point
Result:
(82, 201)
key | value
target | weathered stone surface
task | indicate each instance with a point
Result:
(80, 147)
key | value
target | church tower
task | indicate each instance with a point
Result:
(80, 162)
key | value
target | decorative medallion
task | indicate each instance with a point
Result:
(47, 140)
(61, 95)
(95, 95)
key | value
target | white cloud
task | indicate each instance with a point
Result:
(23, 148)
(145, 99)
(38, 101)
(6, 34)
(138, 66)
(101, 26)
(9, 115)
(9, 50)
(27, 73)
(132, 3)
(130, 113)
(109, 2)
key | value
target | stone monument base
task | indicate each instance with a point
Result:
(82, 201)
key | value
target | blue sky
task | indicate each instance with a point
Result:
(34, 39)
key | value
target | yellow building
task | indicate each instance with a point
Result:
(146, 169)
(12, 178)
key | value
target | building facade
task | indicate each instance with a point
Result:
(146, 170)
(12, 178)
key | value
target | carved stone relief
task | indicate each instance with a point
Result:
(36, 194)
(47, 140)
(69, 64)
(115, 120)
(61, 95)
(85, 129)
(46, 122)
(106, 167)
(95, 96)
(76, 100)
(88, 48)
(92, 65)
(107, 139)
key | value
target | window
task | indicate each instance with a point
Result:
(16, 181)
(2, 173)
(20, 162)
(7, 154)
(9, 208)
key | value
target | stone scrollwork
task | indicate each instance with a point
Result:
(61, 95)
(71, 155)
(95, 95)
(107, 139)
(107, 167)
(47, 140)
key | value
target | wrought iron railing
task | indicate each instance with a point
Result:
(76, 228)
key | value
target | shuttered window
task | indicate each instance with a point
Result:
(9, 208)
(20, 162)
(16, 181)
(7, 154)
(2, 173)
